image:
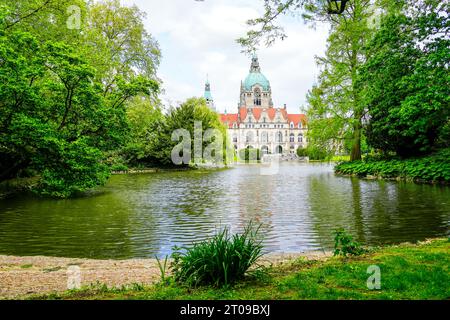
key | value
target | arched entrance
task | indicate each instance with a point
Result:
(279, 150)
(265, 150)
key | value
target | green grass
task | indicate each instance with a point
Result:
(340, 158)
(408, 271)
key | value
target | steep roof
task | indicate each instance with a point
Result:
(297, 118)
(237, 118)
(229, 119)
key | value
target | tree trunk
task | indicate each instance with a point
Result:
(356, 148)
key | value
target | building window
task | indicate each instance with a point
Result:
(292, 138)
(292, 125)
(279, 137)
(264, 137)
(257, 97)
(235, 139)
(300, 138)
(249, 137)
(299, 125)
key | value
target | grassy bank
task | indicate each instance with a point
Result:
(408, 271)
(431, 169)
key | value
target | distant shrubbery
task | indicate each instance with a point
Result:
(220, 261)
(316, 153)
(434, 168)
(301, 152)
(313, 152)
(250, 154)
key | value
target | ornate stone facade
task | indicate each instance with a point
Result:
(258, 124)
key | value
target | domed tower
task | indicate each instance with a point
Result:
(208, 95)
(255, 90)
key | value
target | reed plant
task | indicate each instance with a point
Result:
(219, 261)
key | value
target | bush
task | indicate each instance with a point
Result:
(316, 153)
(301, 152)
(434, 168)
(344, 244)
(220, 261)
(250, 154)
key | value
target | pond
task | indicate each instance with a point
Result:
(138, 216)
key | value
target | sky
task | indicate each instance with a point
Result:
(198, 39)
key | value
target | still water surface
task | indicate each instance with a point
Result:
(137, 216)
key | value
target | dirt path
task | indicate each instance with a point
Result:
(24, 276)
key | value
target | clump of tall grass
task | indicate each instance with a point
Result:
(219, 261)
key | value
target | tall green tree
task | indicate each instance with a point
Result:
(53, 120)
(406, 79)
(63, 108)
(121, 50)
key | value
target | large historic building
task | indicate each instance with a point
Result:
(257, 123)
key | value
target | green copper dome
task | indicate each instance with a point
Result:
(256, 78)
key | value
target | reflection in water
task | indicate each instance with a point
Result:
(143, 215)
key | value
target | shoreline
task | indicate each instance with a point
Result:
(417, 270)
(21, 277)
(393, 179)
(432, 169)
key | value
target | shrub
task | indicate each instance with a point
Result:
(344, 244)
(219, 261)
(250, 154)
(301, 152)
(119, 167)
(431, 168)
(316, 153)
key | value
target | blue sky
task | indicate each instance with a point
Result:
(198, 38)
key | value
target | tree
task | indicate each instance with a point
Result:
(47, 19)
(53, 122)
(120, 48)
(406, 79)
(341, 97)
(63, 107)
(144, 118)
(184, 117)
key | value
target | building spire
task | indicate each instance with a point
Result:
(255, 68)
(207, 95)
(207, 84)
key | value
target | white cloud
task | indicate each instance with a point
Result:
(198, 38)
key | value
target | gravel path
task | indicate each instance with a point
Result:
(24, 276)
